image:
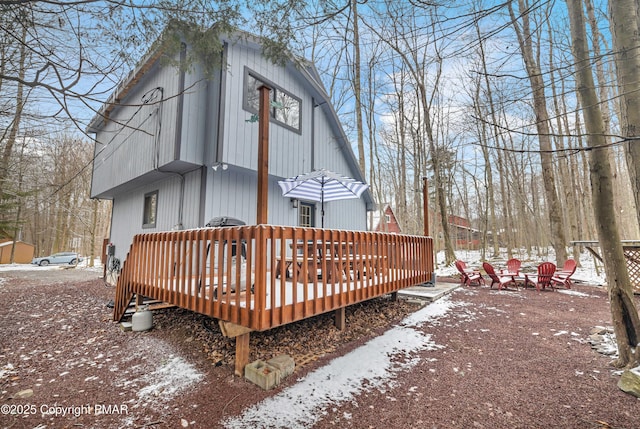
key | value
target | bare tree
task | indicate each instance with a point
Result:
(522, 26)
(398, 29)
(626, 41)
(624, 313)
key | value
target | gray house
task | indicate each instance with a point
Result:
(175, 149)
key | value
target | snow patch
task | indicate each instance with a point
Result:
(174, 375)
(574, 293)
(344, 378)
(7, 370)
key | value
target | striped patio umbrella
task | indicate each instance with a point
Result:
(322, 186)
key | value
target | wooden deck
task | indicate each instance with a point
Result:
(259, 277)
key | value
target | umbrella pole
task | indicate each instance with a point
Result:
(322, 206)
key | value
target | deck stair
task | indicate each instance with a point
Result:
(151, 304)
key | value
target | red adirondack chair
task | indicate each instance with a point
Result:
(563, 276)
(543, 278)
(467, 276)
(513, 265)
(502, 281)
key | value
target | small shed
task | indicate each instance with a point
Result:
(23, 252)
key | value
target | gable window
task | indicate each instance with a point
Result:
(150, 210)
(285, 107)
(305, 214)
(387, 218)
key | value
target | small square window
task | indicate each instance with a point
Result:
(305, 214)
(150, 210)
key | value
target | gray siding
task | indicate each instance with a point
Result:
(127, 212)
(232, 193)
(328, 152)
(140, 135)
(194, 117)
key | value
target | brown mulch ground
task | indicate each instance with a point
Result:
(510, 360)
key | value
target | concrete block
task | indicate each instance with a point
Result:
(284, 363)
(262, 374)
(126, 326)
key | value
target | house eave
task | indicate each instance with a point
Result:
(175, 167)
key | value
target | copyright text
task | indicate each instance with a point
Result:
(58, 410)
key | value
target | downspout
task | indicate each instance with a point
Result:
(178, 134)
(221, 87)
(211, 94)
(313, 134)
(180, 107)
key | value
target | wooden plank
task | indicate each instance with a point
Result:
(242, 353)
(341, 318)
(232, 330)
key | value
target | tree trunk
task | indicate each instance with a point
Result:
(626, 42)
(558, 240)
(15, 125)
(568, 192)
(495, 133)
(357, 86)
(623, 311)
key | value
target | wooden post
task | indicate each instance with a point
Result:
(341, 318)
(242, 353)
(242, 341)
(263, 155)
(425, 203)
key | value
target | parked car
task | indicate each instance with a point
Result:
(70, 258)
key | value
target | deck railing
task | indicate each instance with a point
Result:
(264, 276)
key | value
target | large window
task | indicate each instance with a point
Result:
(285, 108)
(150, 210)
(305, 214)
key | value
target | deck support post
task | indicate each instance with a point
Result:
(341, 318)
(139, 300)
(241, 334)
(242, 353)
(394, 296)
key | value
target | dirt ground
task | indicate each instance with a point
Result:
(508, 359)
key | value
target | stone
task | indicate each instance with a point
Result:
(27, 393)
(601, 330)
(630, 382)
(262, 374)
(284, 363)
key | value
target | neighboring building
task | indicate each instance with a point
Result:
(174, 150)
(23, 253)
(464, 235)
(384, 220)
